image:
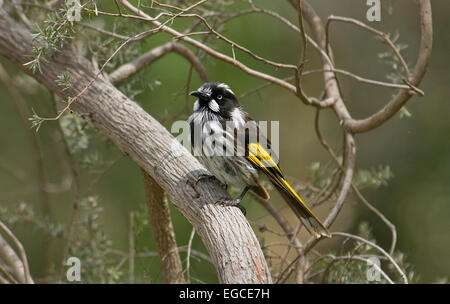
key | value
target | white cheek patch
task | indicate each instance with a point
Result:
(196, 106)
(213, 105)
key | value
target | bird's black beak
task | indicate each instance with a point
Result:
(198, 94)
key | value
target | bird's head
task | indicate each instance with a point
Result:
(215, 97)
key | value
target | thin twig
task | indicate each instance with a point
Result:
(188, 257)
(210, 51)
(355, 258)
(368, 81)
(387, 255)
(21, 14)
(132, 249)
(384, 36)
(397, 102)
(327, 147)
(128, 69)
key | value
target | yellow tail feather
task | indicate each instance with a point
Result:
(263, 160)
(311, 222)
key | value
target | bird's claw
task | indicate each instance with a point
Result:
(233, 203)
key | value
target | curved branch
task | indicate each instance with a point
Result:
(227, 235)
(382, 35)
(381, 216)
(387, 255)
(330, 151)
(369, 81)
(331, 84)
(333, 91)
(356, 258)
(141, 62)
(19, 266)
(349, 159)
(394, 105)
(235, 45)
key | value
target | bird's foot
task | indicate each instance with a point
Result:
(234, 203)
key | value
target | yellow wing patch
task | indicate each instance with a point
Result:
(261, 158)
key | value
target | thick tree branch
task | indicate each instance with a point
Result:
(332, 91)
(158, 208)
(225, 232)
(318, 33)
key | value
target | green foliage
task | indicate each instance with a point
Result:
(48, 38)
(404, 113)
(373, 178)
(319, 176)
(88, 240)
(24, 214)
(63, 80)
(141, 220)
(350, 264)
(396, 75)
(75, 132)
(389, 58)
(36, 120)
(83, 142)
(91, 244)
(138, 84)
(52, 35)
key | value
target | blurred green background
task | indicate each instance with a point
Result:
(416, 148)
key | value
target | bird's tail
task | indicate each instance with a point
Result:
(263, 160)
(309, 220)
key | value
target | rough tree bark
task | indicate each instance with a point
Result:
(227, 235)
(158, 207)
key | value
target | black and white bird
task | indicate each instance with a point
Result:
(227, 142)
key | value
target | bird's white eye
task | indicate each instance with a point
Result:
(219, 97)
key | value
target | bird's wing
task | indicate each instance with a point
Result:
(263, 160)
